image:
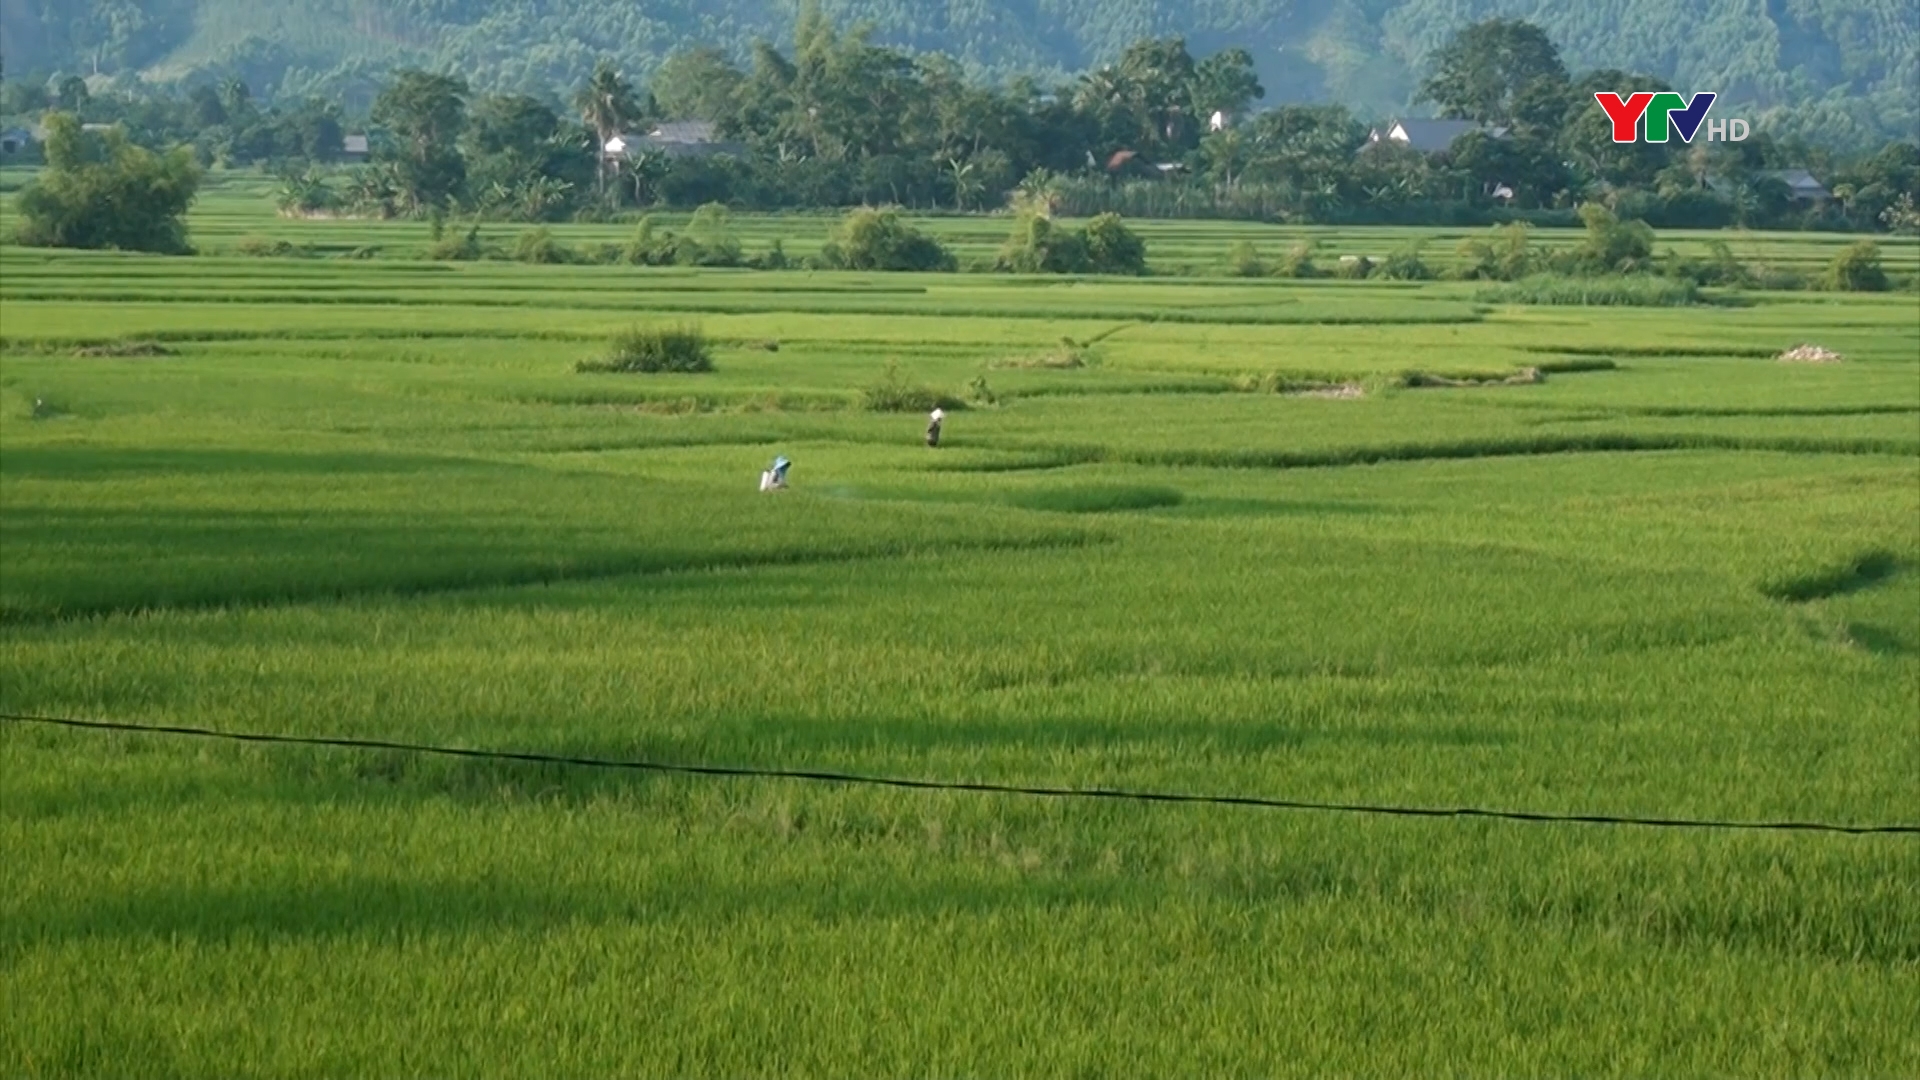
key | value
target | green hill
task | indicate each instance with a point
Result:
(1842, 67)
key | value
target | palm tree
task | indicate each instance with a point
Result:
(966, 182)
(607, 105)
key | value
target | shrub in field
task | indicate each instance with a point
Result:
(1857, 269)
(709, 239)
(894, 394)
(655, 349)
(1112, 248)
(880, 239)
(305, 194)
(1719, 267)
(1243, 260)
(1040, 246)
(1353, 267)
(1299, 261)
(540, 247)
(1403, 264)
(465, 247)
(262, 247)
(1612, 246)
(100, 191)
(1504, 254)
(774, 259)
(649, 246)
(1600, 291)
(1779, 278)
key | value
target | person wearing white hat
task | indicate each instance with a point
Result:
(933, 427)
(775, 478)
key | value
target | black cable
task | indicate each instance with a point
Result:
(959, 785)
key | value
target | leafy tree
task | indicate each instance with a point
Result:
(72, 94)
(1225, 82)
(1485, 70)
(523, 161)
(99, 191)
(697, 84)
(425, 115)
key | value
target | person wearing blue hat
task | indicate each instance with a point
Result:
(775, 478)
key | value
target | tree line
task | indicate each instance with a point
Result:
(840, 121)
(1840, 71)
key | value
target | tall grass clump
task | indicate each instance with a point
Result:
(893, 393)
(655, 349)
(1506, 253)
(1857, 269)
(465, 247)
(538, 246)
(1404, 264)
(1243, 260)
(1608, 291)
(1299, 260)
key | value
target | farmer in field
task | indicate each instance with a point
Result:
(775, 478)
(933, 427)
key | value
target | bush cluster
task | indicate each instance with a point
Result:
(870, 239)
(655, 349)
(1039, 245)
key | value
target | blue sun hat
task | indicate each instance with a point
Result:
(780, 467)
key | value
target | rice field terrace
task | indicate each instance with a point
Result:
(1336, 542)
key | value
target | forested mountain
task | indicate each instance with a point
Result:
(1845, 71)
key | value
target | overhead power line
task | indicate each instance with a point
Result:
(856, 779)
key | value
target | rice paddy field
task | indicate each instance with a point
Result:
(1343, 542)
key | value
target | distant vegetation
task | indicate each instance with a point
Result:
(99, 191)
(1839, 70)
(837, 120)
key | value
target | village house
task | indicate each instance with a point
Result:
(681, 138)
(1429, 136)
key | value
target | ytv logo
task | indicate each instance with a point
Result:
(1667, 110)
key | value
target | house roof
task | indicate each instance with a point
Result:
(683, 131)
(1801, 183)
(691, 138)
(1429, 136)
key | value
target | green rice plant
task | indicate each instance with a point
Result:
(360, 499)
